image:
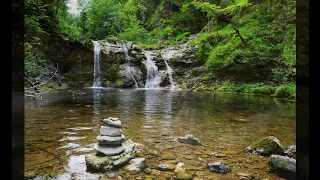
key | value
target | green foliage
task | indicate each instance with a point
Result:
(223, 53)
(68, 26)
(103, 18)
(289, 49)
(136, 34)
(286, 91)
(227, 30)
(282, 91)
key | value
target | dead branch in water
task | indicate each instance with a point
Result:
(35, 91)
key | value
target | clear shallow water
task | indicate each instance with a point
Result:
(63, 127)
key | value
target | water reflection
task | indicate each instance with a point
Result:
(96, 102)
(168, 105)
(152, 103)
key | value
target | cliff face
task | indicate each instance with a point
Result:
(76, 62)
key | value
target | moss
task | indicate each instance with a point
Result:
(268, 145)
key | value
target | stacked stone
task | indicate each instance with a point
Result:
(111, 151)
(111, 138)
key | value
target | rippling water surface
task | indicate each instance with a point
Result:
(62, 128)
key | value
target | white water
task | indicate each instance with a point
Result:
(166, 55)
(153, 77)
(96, 74)
(128, 68)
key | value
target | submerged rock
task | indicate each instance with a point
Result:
(189, 139)
(137, 164)
(184, 176)
(283, 166)
(242, 120)
(290, 151)
(219, 167)
(266, 146)
(166, 167)
(110, 131)
(179, 168)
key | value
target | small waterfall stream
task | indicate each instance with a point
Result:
(166, 55)
(128, 68)
(153, 77)
(96, 73)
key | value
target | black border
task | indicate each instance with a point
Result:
(17, 98)
(17, 89)
(302, 103)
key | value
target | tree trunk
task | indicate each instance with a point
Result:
(58, 2)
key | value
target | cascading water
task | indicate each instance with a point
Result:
(153, 77)
(96, 74)
(166, 55)
(128, 68)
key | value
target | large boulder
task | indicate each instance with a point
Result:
(266, 146)
(284, 166)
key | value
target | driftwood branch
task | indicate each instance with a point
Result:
(34, 91)
(46, 80)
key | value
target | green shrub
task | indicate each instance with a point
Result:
(136, 34)
(223, 53)
(286, 91)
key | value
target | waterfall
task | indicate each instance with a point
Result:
(153, 77)
(166, 55)
(128, 68)
(96, 74)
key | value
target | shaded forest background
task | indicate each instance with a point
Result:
(228, 31)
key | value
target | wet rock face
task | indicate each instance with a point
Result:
(284, 166)
(126, 74)
(185, 56)
(219, 167)
(266, 147)
(189, 139)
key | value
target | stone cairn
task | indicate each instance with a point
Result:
(112, 150)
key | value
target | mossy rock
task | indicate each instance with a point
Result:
(266, 147)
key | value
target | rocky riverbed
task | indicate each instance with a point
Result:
(63, 129)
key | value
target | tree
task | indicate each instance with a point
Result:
(103, 18)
